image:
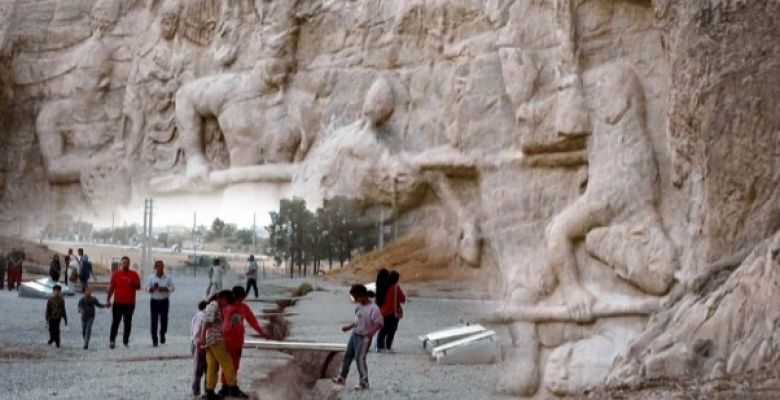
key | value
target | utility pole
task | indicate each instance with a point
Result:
(113, 220)
(145, 238)
(381, 228)
(254, 232)
(194, 245)
(151, 234)
(146, 250)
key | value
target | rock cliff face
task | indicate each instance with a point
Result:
(606, 158)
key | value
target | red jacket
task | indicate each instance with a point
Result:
(233, 317)
(394, 297)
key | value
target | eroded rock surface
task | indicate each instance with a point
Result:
(598, 155)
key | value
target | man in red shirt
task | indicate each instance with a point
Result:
(233, 317)
(124, 283)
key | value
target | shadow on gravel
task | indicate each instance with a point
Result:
(20, 355)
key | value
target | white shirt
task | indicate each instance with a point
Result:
(216, 275)
(164, 281)
(197, 320)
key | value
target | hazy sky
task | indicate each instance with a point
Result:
(233, 205)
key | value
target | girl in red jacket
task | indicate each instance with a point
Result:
(392, 311)
(233, 317)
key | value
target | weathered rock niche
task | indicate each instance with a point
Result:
(611, 163)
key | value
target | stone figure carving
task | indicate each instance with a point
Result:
(616, 218)
(81, 132)
(617, 215)
(265, 129)
(355, 162)
(199, 21)
(149, 98)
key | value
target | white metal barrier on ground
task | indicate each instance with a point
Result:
(262, 344)
(482, 348)
(465, 344)
(450, 335)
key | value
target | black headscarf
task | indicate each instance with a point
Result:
(382, 284)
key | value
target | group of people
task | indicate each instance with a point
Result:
(217, 342)
(381, 316)
(11, 264)
(78, 266)
(217, 329)
(122, 288)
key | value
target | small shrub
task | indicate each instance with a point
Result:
(303, 289)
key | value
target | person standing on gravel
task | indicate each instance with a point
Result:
(15, 266)
(2, 270)
(68, 259)
(123, 285)
(55, 268)
(392, 312)
(85, 272)
(160, 287)
(198, 353)
(251, 275)
(216, 354)
(215, 278)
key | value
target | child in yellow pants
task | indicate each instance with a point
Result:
(217, 355)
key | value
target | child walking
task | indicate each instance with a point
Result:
(368, 320)
(198, 353)
(87, 305)
(55, 312)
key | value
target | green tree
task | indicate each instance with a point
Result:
(163, 239)
(244, 236)
(217, 230)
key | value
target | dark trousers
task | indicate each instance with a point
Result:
(387, 334)
(198, 367)
(123, 312)
(251, 283)
(159, 312)
(84, 283)
(2, 277)
(14, 277)
(55, 276)
(54, 331)
(86, 329)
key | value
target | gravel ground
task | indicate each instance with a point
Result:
(29, 369)
(409, 373)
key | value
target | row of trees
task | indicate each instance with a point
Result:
(304, 238)
(228, 234)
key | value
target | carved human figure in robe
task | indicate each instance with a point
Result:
(80, 131)
(149, 98)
